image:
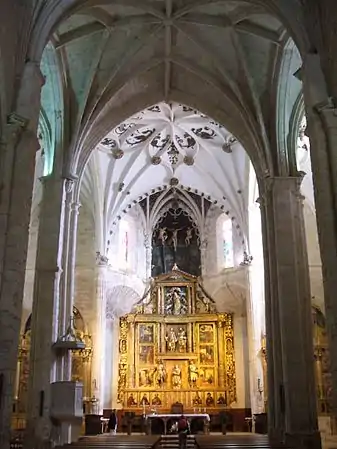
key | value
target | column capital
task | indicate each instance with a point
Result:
(281, 183)
(328, 111)
(101, 260)
(69, 182)
(75, 207)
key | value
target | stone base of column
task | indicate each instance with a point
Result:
(59, 433)
(275, 435)
(303, 440)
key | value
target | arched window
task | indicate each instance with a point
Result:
(123, 244)
(303, 147)
(227, 238)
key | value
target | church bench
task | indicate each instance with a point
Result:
(234, 442)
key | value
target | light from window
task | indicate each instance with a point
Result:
(123, 245)
(227, 238)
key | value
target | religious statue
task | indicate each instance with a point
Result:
(175, 238)
(162, 235)
(221, 400)
(176, 377)
(131, 401)
(188, 237)
(171, 340)
(182, 340)
(160, 373)
(197, 399)
(122, 375)
(192, 374)
(156, 400)
(204, 304)
(209, 400)
(144, 400)
(175, 301)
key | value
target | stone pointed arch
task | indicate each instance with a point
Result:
(289, 89)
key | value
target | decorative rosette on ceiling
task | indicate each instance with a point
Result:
(172, 134)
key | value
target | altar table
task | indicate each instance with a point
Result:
(175, 417)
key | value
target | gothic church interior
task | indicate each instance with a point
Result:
(168, 218)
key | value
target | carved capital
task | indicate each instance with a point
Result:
(328, 111)
(14, 128)
(101, 260)
(75, 207)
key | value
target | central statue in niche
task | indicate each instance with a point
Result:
(175, 301)
(176, 341)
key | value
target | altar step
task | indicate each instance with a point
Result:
(172, 442)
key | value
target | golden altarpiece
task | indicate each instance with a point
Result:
(175, 347)
(81, 369)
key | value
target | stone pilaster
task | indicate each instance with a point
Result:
(18, 146)
(46, 311)
(289, 311)
(322, 130)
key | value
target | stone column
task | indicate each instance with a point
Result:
(322, 130)
(18, 147)
(70, 295)
(99, 335)
(63, 363)
(45, 313)
(273, 343)
(254, 332)
(289, 312)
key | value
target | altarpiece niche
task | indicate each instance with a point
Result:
(175, 347)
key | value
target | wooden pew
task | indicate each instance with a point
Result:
(249, 441)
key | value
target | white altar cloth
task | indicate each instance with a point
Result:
(178, 415)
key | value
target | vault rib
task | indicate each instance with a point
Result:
(168, 48)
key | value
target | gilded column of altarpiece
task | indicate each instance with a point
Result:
(175, 347)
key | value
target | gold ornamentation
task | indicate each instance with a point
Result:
(167, 357)
(176, 377)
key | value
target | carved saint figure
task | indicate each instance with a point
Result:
(182, 340)
(122, 375)
(160, 373)
(221, 400)
(176, 302)
(144, 400)
(192, 374)
(197, 399)
(209, 400)
(162, 235)
(171, 339)
(131, 401)
(188, 237)
(156, 400)
(176, 377)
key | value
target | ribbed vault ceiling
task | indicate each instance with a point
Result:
(168, 144)
(118, 57)
(225, 59)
